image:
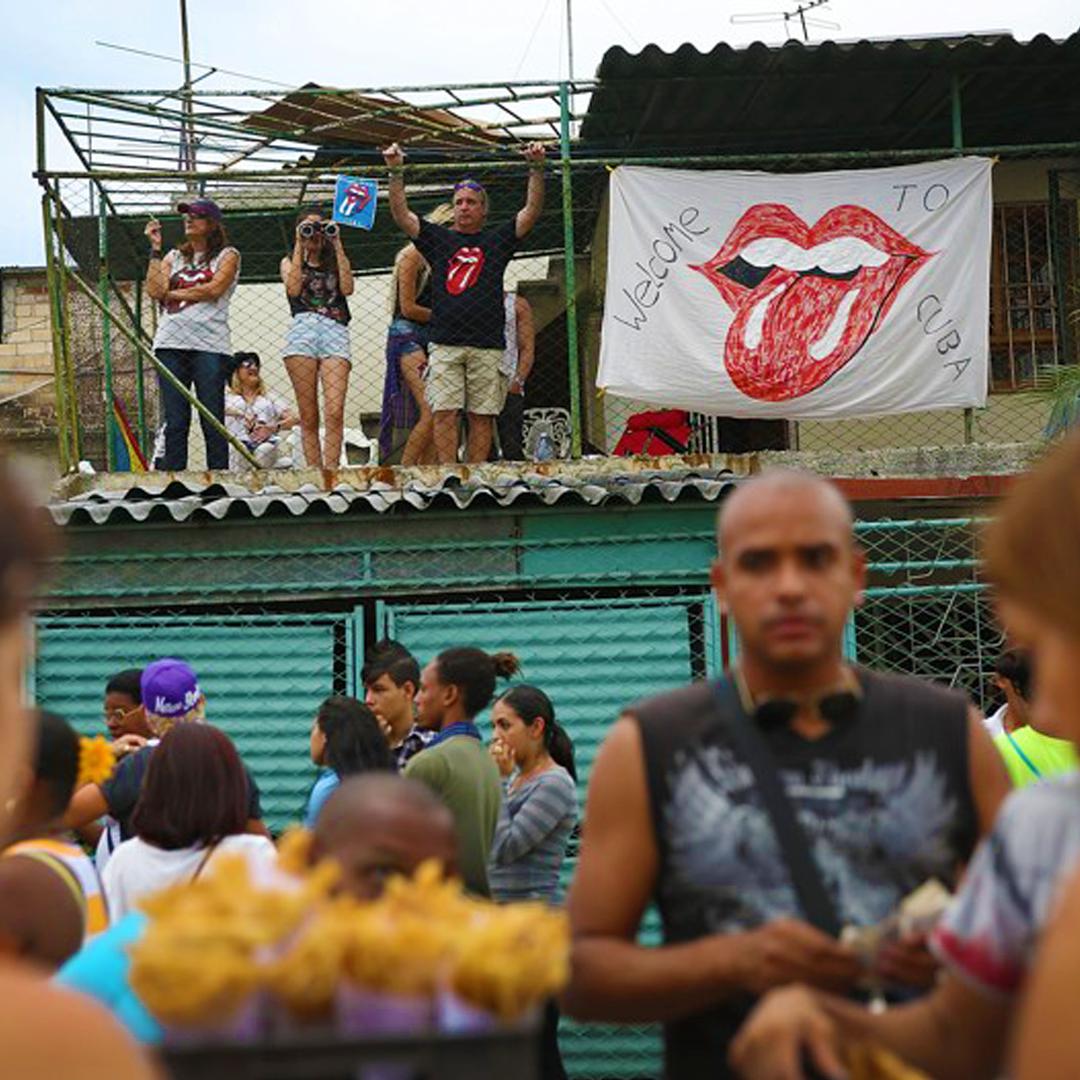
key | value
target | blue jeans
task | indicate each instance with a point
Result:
(207, 371)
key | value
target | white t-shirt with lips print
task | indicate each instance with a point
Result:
(202, 326)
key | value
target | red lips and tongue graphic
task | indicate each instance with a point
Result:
(184, 278)
(795, 328)
(463, 270)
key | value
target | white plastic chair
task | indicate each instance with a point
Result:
(293, 448)
(355, 437)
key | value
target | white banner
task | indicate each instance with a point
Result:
(809, 296)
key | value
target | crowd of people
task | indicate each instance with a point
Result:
(835, 852)
(459, 347)
(403, 776)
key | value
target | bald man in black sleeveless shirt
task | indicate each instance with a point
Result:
(891, 779)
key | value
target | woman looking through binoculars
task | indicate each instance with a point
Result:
(318, 278)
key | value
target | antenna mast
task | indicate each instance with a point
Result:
(570, 39)
(187, 150)
(790, 16)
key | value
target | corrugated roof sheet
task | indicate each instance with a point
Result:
(353, 120)
(179, 499)
(832, 97)
(592, 481)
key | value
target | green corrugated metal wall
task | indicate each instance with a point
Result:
(592, 659)
(263, 677)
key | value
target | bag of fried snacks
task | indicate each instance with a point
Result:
(197, 988)
(304, 976)
(918, 913)
(199, 967)
(397, 950)
(508, 962)
(391, 962)
(228, 901)
(868, 1062)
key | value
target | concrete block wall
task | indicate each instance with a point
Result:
(26, 338)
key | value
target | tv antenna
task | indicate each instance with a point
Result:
(788, 17)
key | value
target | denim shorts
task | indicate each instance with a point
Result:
(317, 336)
(405, 336)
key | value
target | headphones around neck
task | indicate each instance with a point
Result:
(837, 705)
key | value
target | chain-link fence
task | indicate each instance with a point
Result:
(340, 362)
(275, 625)
(926, 612)
(341, 325)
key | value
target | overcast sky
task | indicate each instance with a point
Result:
(395, 43)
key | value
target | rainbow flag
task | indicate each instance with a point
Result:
(127, 457)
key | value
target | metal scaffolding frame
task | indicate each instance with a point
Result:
(129, 148)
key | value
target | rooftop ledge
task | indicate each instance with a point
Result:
(891, 473)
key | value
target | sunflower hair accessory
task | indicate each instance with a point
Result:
(97, 760)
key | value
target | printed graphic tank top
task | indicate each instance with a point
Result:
(884, 800)
(319, 293)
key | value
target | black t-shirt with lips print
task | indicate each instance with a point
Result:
(467, 272)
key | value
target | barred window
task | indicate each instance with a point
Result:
(1024, 324)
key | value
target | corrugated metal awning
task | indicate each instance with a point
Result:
(168, 497)
(326, 117)
(860, 96)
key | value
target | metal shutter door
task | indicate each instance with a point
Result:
(263, 676)
(592, 658)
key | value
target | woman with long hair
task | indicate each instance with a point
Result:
(193, 806)
(535, 758)
(318, 280)
(252, 415)
(193, 284)
(345, 739)
(405, 404)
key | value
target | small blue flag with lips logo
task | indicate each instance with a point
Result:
(354, 202)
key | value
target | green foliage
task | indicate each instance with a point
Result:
(1062, 390)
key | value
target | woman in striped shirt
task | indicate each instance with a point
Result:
(536, 759)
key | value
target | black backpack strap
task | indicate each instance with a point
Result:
(814, 899)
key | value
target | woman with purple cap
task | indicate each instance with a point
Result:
(193, 284)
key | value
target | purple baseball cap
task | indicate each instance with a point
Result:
(169, 688)
(200, 208)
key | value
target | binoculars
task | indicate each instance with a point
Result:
(309, 229)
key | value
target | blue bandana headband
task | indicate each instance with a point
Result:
(472, 185)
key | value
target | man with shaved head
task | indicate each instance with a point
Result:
(890, 779)
(379, 825)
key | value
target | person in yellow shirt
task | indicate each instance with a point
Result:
(1029, 753)
(50, 896)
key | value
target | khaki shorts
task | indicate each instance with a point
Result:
(464, 377)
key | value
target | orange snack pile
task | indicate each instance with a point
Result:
(213, 943)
